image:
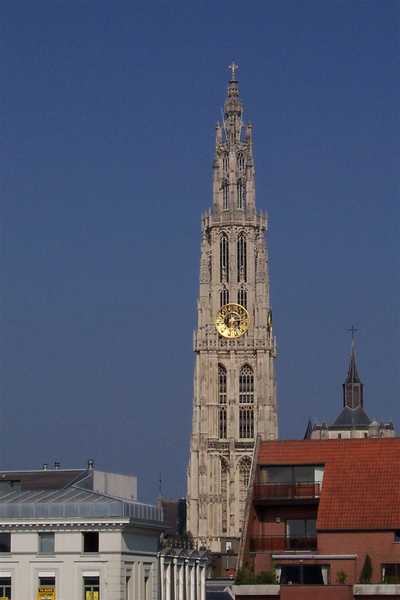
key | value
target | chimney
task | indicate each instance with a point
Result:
(90, 464)
(44, 466)
(56, 465)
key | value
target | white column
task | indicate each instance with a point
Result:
(168, 582)
(187, 580)
(202, 583)
(181, 589)
(198, 588)
(193, 582)
(176, 587)
(162, 577)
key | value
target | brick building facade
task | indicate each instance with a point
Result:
(317, 508)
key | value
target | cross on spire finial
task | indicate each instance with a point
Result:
(233, 67)
(352, 330)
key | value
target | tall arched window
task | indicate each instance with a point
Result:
(244, 479)
(240, 160)
(246, 402)
(224, 257)
(224, 296)
(224, 495)
(225, 195)
(242, 258)
(240, 194)
(222, 402)
(225, 162)
(242, 296)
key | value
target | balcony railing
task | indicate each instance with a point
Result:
(275, 542)
(286, 491)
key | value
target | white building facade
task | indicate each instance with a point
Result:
(77, 534)
(64, 535)
(235, 350)
(82, 535)
(118, 569)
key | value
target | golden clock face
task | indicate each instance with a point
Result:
(232, 320)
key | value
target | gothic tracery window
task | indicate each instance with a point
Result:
(240, 193)
(225, 162)
(240, 161)
(242, 296)
(224, 257)
(225, 195)
(246, 402)
(242, 258)
(222, 402)
(244, 480)
(224, 296)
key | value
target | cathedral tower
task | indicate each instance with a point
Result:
(234, 375)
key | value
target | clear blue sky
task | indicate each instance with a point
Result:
(107, 133)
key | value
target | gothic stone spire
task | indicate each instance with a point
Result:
(234, 379)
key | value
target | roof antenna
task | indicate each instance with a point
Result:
(160, 485)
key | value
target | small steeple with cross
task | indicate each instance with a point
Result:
(352, 387)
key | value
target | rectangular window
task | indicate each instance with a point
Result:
(91, 542)
(391, 573)
(47, 585)
(301, 528)
(46, 542)
(304, 474)
(304, 574)
(295, 474)
(5, 588)
(397, 536)
(301, 534)
(91, 588)
(47, 581)
(5, 542)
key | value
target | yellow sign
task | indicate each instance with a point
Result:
(4, 598)
(46, 593)
(91, 596)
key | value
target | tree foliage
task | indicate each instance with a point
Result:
(366, 572)
(246, 577)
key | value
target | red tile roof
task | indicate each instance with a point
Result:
(361, 486)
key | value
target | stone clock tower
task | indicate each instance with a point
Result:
(234, 376)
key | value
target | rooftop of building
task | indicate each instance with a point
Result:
(71, 494)
(352, 417)
(361, 485)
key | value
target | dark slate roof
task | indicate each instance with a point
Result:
(309, 429)
(72, 502)
(352, 417)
